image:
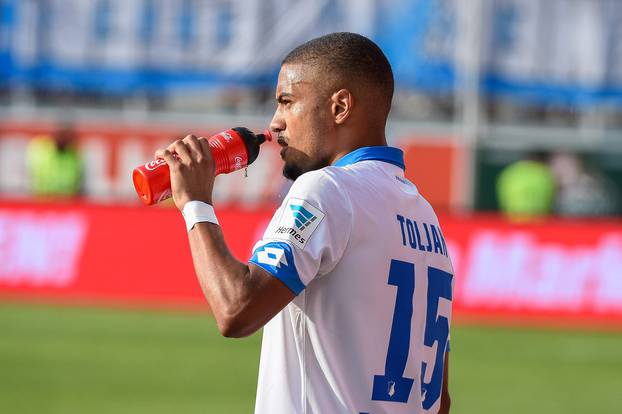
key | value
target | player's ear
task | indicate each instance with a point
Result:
(342, 102)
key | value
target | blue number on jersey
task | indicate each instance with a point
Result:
(393, 386)
(436, 329)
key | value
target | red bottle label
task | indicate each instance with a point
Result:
(152, 165)
(228, 151)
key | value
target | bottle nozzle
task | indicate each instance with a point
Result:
(265, 136)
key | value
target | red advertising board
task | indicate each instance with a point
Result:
(117, 254)
(566, 271)
(561, 270)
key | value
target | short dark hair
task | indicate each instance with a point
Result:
(348, 55)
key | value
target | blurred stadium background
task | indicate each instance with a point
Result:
(510, 114)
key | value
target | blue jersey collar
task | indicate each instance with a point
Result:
(391, 155)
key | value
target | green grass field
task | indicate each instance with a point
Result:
(83, 360)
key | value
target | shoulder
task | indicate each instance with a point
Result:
(322, 193)
(323, 186)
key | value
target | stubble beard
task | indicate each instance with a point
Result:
(294, 169)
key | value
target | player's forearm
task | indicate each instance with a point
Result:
(226, 282)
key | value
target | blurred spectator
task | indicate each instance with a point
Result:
(581, 192)
(54, 164)
(526, 188)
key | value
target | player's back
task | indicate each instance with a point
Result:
(368, 334)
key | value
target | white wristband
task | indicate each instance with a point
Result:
(197, 212)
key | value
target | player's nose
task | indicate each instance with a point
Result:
(277, 124)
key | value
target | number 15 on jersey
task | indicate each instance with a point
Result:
(392, 385)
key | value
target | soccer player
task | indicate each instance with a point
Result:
(351, 280)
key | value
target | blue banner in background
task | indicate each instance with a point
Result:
(563, 52)
(6, 29)
(559, 51)
(418, 37)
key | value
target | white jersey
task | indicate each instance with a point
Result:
(369, 327)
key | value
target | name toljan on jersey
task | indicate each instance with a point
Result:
(422, 236)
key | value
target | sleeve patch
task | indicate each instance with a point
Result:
(297, 223)
(277, 259)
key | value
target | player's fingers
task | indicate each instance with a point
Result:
(182, 151)
(168, 156)
(195, 148)
(204, 143)
(160, 153)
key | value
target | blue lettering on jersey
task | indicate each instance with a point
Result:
(443, 241)
(401, 220)
(427, 234)
(418, 236)
(438, 247)
(411, 236)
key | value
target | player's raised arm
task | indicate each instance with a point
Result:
(242, 297)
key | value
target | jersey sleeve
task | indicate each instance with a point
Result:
(308, 234)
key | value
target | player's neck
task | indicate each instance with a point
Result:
(359, 141)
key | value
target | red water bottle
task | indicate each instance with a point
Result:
(232, 150)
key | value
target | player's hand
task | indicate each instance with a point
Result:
(192, 169)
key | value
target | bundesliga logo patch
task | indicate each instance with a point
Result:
(299, 220)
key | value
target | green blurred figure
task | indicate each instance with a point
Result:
(526, 189)
(55, 165)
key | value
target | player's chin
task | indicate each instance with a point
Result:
(298, 163)
(291, 171)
